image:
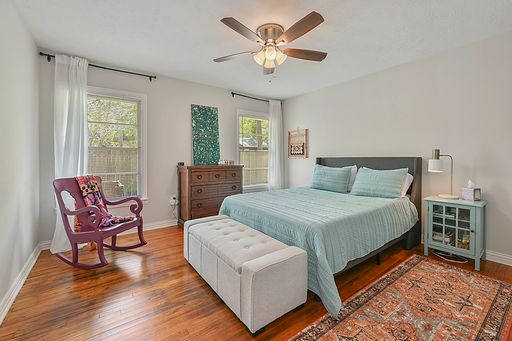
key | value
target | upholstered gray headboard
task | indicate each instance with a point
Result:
(412, 163)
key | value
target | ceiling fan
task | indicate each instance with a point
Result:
(271, 37)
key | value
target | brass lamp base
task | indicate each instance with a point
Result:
(448, 196)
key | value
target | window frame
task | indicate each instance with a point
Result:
(252, 114)
(142, 130)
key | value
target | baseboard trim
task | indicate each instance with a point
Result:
(159, 224)
(45, 244)
(15, 288)
(154, 225)
(498, 257)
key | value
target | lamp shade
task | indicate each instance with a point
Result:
(435, 166)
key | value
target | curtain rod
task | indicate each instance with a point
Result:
(233, 94)
(50, 56)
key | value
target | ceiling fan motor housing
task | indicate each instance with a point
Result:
(270, 31)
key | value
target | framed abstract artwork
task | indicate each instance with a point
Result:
(298, 144)
(205, 135)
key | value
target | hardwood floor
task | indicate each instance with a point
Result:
(152, 293)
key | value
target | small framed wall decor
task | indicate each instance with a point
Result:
(298, 144)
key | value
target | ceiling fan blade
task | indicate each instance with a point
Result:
(240, 28)
(316, 56)
(301, 27)
(268, 71)
(231, 56)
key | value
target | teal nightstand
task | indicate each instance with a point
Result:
(456, 226)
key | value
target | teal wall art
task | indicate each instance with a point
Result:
(205, 135)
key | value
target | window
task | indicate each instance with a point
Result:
(253, 148)
(116, 140)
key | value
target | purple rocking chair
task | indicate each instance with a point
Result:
(90, 228)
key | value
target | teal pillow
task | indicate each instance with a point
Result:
(331, 178)
(379, 183)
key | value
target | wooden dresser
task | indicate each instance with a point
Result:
(202, 189)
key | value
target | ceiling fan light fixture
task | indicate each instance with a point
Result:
(280, 56)
(270, 52)
(269, 64)
(271, 36)
(260, 57)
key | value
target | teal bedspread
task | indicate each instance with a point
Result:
(333, 228)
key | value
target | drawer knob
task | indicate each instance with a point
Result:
(233, 187)
(233, 175)
(200, 190)
(217, 176)
(199, 204)
(199, 176)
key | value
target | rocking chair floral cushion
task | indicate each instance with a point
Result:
(91, 196)
(93, 221)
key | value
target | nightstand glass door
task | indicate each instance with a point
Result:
(453, 227)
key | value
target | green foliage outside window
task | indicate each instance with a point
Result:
(112, 122)
(113, 144)
(253, 149)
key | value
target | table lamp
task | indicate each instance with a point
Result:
(436, 166)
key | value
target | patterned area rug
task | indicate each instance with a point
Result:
(422, 299)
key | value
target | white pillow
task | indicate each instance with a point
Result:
(407, 183)
(405, 187)
(353, 173)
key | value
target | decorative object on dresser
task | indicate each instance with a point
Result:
(298, 144)
(203, 188)
(436, 166)
(456, 227)
(205, 135)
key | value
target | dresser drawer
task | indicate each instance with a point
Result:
(199, 177)
(207, 212)
(230, 189)
(234, 175)
(201, 204)
(203, 191)
(216, 176)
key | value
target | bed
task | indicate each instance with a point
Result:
(337, 230)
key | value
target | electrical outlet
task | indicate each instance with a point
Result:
(173, 201)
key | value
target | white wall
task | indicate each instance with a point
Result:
(460, 102)
(19, 179)
(168, 129)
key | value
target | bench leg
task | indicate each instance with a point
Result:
(377, 259)
(300, 307)
(259, 331)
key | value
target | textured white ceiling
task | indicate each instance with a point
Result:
(180, 38)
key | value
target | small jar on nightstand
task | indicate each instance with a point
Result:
(456, 226)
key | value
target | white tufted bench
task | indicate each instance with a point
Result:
(258, 277)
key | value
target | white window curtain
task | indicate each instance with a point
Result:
(70, 131)
(276, 161)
